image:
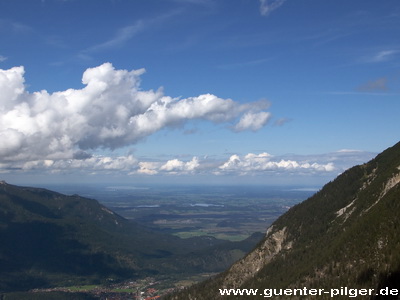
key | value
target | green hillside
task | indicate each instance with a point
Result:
(346, 235)
(50, 239)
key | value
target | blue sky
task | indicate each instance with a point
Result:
(196, 91)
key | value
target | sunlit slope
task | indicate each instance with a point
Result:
(347, 234)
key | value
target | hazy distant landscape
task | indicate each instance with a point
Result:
(101, 239)
(65, 242)
(224, 212)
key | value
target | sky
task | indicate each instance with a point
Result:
(134, 92)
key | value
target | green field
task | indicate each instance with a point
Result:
(224, 212)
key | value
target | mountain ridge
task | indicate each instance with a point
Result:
(51, 239)
(347, 234)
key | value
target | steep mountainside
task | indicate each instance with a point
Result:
(49, 239)
(346, 235)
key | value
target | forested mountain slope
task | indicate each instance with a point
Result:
(50, 239)
(346, 235)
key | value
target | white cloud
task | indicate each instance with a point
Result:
(12, 85)
(92, 165)
(264, 162)
(3, 58)
(148, 168)
(267, 6)
(253, 121)
(56, 132)
(176, 165)
(111, 111)
(172, 166)
(348, 151)
(251, 164)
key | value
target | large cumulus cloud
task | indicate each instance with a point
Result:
(59, 132)
(110, 111)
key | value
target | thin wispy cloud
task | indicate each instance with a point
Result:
(3, 58)
(282, 121)
(14, 27)
(382, 56)
(196, 2)
(268, 6)
(370, 93)
(243, 64)
(380, 84)
(122, 35)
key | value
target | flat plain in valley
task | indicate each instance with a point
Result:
(225, 212)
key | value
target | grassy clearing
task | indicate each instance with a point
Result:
(82, 288)
(189, 234)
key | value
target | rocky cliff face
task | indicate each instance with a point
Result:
(274, 242)
(347, 234)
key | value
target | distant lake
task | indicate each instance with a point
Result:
(206, 205)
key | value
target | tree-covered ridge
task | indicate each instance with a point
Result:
(347, 234)
(50, 239)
